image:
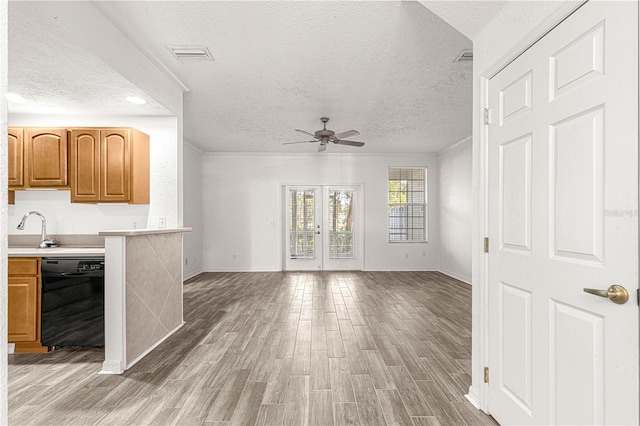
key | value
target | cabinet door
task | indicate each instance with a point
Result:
(46, 157)
(23, 309)
(84, 165)
(15, 144)
(115, 165)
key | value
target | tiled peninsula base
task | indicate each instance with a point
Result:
(143, 293)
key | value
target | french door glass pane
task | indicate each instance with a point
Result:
(341, 224)
(302, 236)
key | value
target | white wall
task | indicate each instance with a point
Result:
(456, 211)
(63, 217)
(242, 205)
(192, 190)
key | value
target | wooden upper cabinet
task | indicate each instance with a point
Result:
(109, 165)
(15, 142)
(84, 165)
(115, 165)
(46, 157)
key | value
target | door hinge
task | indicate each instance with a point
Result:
(487, 116)
(486, 244)
(638, 296)
(486, 374)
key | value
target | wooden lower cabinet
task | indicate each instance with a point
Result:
(24, 293)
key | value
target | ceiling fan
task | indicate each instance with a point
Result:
(325, 136)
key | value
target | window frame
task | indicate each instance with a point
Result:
(408, 205)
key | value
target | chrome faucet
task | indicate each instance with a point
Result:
(45, 241)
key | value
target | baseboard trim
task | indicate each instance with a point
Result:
(473, 397)
(242, 270)
(408, 269)
(458, 277)
(111, 367)
(186, 277)
(400, 269)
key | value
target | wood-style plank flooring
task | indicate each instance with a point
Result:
(332, 348)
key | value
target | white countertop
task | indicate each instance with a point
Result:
(55, 251)
(134, 232)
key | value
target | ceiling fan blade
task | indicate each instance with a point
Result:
(346, 134)
(305, 132)
(350, 143)
(322, 147)
(289, 143)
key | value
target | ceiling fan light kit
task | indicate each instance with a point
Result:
(325, 136)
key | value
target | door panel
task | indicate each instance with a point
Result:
(23, 312)
(46, 157)
(115, 165)
(563, 203)
(576, 346)
(15, 161)
(516, 343)
(577, 174)
(84, 165)
(515, 190)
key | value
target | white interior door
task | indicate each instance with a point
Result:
(323, 228)
(563, 216)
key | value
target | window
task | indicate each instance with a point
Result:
(407, 204)
(302, 237)
(340, 224)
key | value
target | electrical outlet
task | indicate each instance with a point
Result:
(162, 222)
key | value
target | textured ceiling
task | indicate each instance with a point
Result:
(383, 68)
(468, 17)
(58, 76)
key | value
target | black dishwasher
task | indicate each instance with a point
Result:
(72, 301)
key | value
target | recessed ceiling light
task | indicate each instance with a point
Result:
(15, 98)
(136, 100)
(191, 52)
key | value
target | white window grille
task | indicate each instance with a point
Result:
(341, 224)
(407, 204)
(302, 234)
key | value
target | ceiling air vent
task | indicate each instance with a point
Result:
(464, 56)
(191, 53)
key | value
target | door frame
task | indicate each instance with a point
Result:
(478, 391)
(359, 216)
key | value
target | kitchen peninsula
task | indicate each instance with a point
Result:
(143, 293)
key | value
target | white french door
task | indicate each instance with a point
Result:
(563, 217)
(323, 228)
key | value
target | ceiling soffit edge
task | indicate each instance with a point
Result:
(138, 42)
(316, 154)
(193, 146)
(455, 145)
